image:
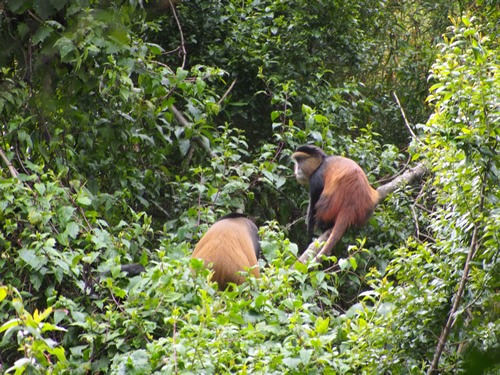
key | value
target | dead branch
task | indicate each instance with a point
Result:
(408, 177)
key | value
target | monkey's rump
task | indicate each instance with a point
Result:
(228, 248)
(347, 194)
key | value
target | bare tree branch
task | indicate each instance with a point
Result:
(405, 119)
(227, 92)
(183, 45)
(408, 177)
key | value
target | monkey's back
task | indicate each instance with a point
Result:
(347, 194)
(229, 247)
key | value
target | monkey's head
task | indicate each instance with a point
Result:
(307, 159)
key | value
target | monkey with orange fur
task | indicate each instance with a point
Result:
(229, 247)
(340, 195)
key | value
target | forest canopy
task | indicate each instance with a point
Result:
(129, 127)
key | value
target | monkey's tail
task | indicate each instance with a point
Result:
(338, 231)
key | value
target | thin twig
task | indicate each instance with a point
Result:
(414, 212)
(406, 120)
(290, 225)
(32, 15)
(183, 46)
(20, 161)
(174, 334)
(227, 92)
(404, 167)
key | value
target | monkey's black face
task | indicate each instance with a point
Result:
(305, 166)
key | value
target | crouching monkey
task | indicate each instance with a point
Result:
(229, 247)
(340, 195)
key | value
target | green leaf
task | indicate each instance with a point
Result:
(54, 24)
(172, 296)
(9, 324)
(72, 229)
(184, 145)
(35, 217)
(16, 5)
(155, 49)
(321, 325)
(59, 353)
(48, 327)
(301, 267)
(120, 35)
(181, 74)
(292, 363)
(275, 115)
(101, 238)
(305, 356)
(65, 213)
(40, 188)
(353, 262)
(343, 264)
(43, 8)
(59, 315)
(65, 46)
(59, 4)
(3, 292)
(30, 258)
(41, 317)
(41, 34)
(84, 201)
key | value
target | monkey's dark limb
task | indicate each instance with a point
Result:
(132, 269)
(410, 176)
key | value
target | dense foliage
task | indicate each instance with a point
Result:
(128, 127)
